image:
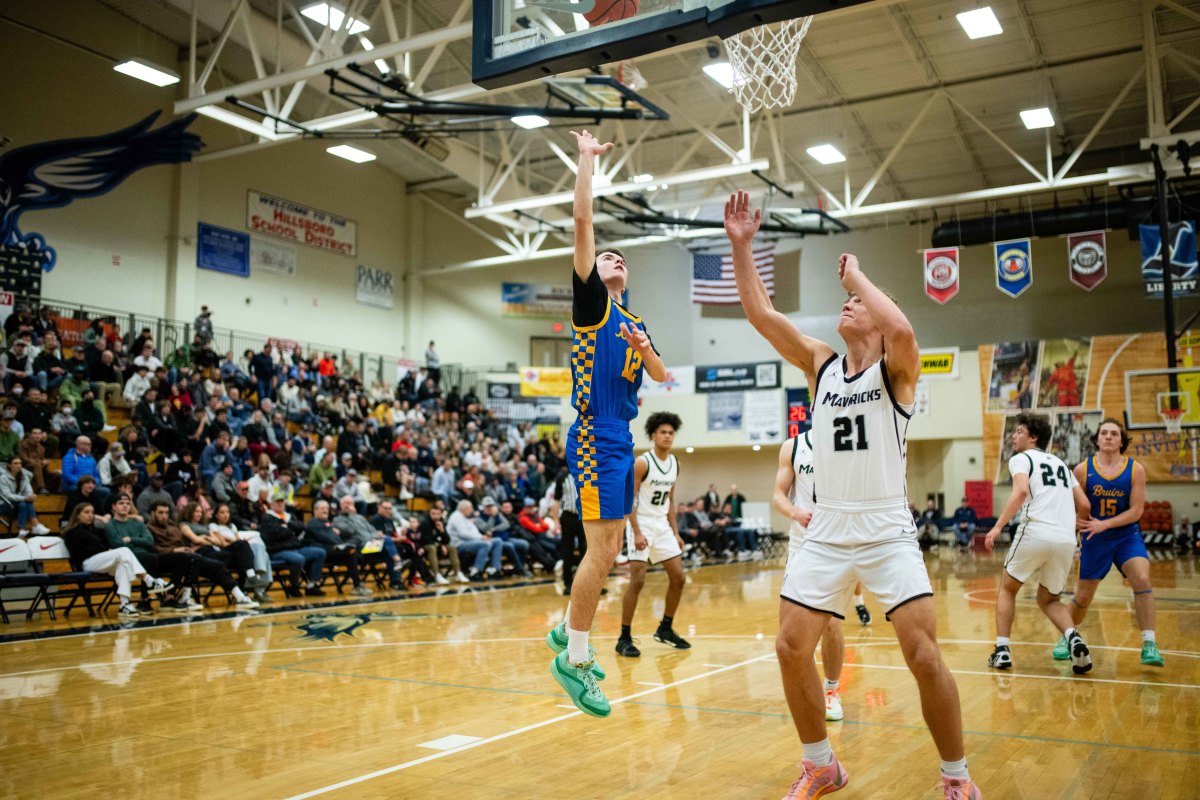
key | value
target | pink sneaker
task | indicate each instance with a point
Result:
(818, 781)
(959, 789)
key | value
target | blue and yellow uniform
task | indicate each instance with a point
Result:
(605, 375)
(1109, 496)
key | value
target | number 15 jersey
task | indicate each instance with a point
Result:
(859, 440)
(1049, 513)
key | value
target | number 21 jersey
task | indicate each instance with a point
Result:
(859, 439)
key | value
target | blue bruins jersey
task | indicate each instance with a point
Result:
(1110, 495)
(605, 371)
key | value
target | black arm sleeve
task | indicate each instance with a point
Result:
(589, 299)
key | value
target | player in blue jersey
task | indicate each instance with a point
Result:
(1116, 488)
(608, 355)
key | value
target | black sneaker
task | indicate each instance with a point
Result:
(864, 616)
(314, 591)
(1081, 658)
(669, 636)
(1000, 658)
(626, 647)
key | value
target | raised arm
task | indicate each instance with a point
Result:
(805, 352)
(902, 355)
(585, 237)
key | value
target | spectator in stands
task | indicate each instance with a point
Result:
(65, 426)
(153, 493)
(20, 322)
(34, 412)
(357, 530)
(45, 323)
(235, 554)
(170, 538)
(407, 547)
(136, 386)
(491, 522)
(125, 530)
(71, 389)
(433, 364)
(164, 431)
(262, 483)
(347, 487)
(964, 523)
(214, 457)
(33, 454)
(224, 526)
(701, 525)
(91, 421)
(257, 437)
(203, 326)
(472, 544)
(232, 374)
(319, 531)
(929, 524)
(10, 440)
(17, 497)
(90, 551)
(193, 493)
(745, 540)
(16, 366)
(145, 356)
(323, 471)
(179, 474)
(107, 380)
(262, 367)
(435, 541)
(79, 462)
(112, 465)
(49, 368)
(733, 504)
(84, 492)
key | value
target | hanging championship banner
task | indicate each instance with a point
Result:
(1014, 266)
(1182, 259)
(941, 273)
(1087, 257)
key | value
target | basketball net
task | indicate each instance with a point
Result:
(1172, 419)
(630, 75)
(764, 63)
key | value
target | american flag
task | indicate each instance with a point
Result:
(712, 276)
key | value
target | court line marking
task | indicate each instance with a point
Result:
(1114, 603)
(1006, 674)
(714, 665)
(649, 683)
(508, 734)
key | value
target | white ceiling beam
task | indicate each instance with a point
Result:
(435, 54)
(865, 192)
(1003, 144)
(418, 42)
(211, 64)
(560, 198)
(1100, 123)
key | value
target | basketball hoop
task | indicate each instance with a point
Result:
(764, 63)
(1172, 419)
(631, 76)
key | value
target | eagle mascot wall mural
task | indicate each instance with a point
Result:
(49, 175)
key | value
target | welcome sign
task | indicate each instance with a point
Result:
(294, 222)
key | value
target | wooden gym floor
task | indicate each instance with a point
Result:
(448, 695)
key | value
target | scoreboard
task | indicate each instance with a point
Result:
(797, 412)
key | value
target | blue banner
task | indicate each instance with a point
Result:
(1183, 259)
(1014, 266)
(223, 250)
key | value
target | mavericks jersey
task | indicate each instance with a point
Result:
(802, 488)
(605, 371)
(1049, 513)
(1110, 496)
(654, 498)
(859, 437)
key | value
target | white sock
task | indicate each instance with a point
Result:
(1001, 641)
(956, 769)
(1068, 633)
(859, 601)
(186, 597)
(125, 601)
(577, 646)
(146, 579)
(1147, 636)
(249, 573)
(831, 686)
(819, 753)
(238, 594)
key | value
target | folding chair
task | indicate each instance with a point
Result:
(75, 583)
(16, 563)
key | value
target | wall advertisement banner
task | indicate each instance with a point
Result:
(535, 300)
(222, 250)
(738, 377)
(763, 422)
(374, 287)
(545, 382)
(302, 224)
(725, 411)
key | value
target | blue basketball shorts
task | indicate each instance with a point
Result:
(600, 457)
(1099, 555)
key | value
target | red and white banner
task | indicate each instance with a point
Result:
(1087, 257)
(302, 224)
(941, 273)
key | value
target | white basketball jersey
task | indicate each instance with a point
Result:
(1049, 513)
(654, 498)
(802, 489)
(859, 437)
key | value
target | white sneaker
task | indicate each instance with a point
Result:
(833, 707)
(440, 579)
(157, 586)
(460, 578)
(246, 602)
(23, 533)
(128, 610)
(558, 566)
(40, 530)
(757, 555)
(743, 555)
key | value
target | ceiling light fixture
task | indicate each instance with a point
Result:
(645, 177)
(144, 70)
(350, 153)
(238, 121)
(380, 64)
(1035, 118)
(826, 154)
(530, 121)
(722, 72)
(331, 16)
(980, 23)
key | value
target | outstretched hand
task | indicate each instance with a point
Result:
(740, 223)
(589, 144)
(637, 339)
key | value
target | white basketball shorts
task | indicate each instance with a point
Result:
(661, 544)
(821, 576)
(1033, 556)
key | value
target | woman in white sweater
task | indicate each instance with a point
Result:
(16, 496)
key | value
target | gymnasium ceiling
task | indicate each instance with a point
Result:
(865, 73)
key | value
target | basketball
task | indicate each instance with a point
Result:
(611, 10)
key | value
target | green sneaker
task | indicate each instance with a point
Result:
(1150, 654)
(1061, 651)
(579, 682)
(556, 639)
